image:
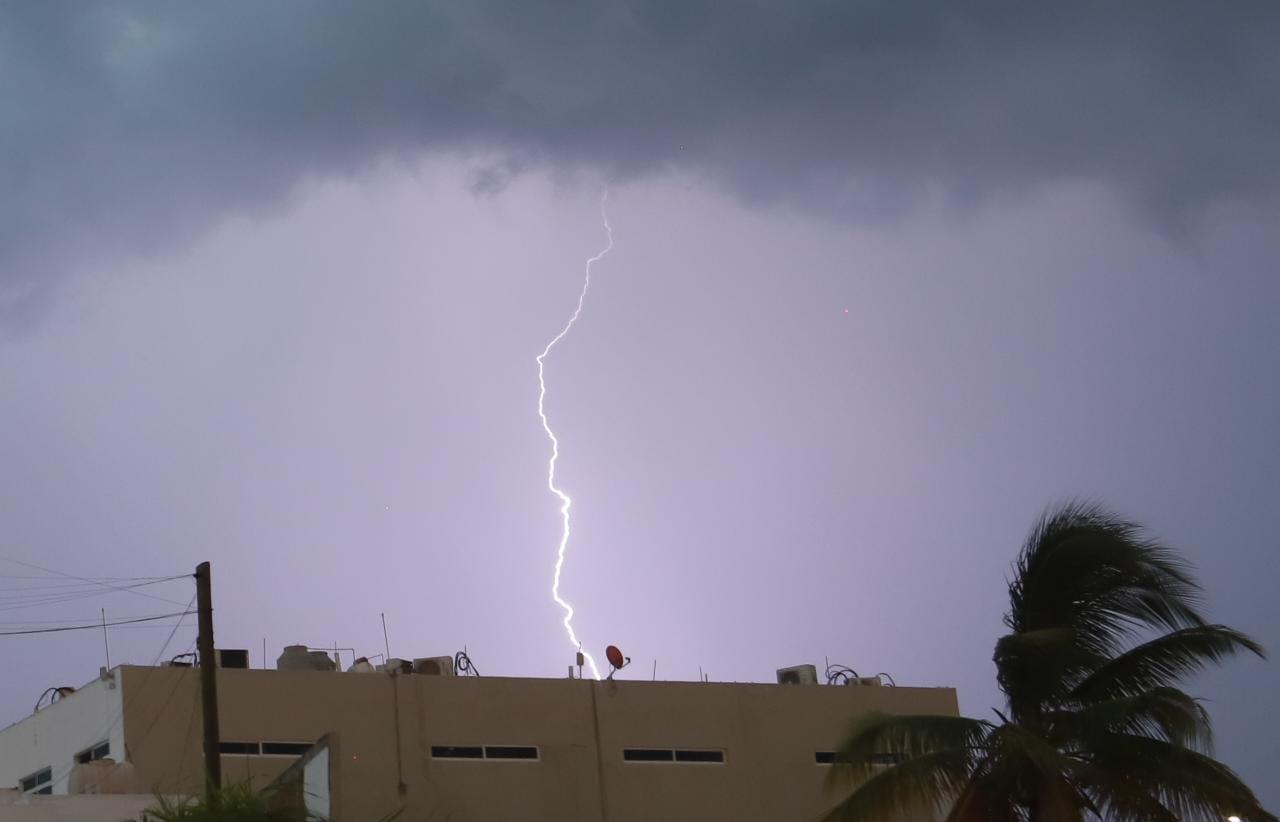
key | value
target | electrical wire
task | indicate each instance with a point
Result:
(97, 626)
(35, 567)
(35, 600)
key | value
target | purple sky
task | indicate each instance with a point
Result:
(271, 292)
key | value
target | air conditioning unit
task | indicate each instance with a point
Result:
(798, 675)
(396, 666)
(434, 666)
(233, 658)
(866, 680)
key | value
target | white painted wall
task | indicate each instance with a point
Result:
(53, 736)
(315, 784)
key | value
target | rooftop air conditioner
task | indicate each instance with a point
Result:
(434, 666)
(233, 658)
(798, 675)
(866, 680)
(396, 666)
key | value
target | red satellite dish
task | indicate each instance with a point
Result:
(615, 657)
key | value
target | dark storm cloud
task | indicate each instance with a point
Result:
(129, 127)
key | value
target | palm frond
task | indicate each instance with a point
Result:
(1089, 569)
(1037, 668)
(1161, 713)
(1122, 802)
(924, 785)
(1163, 661)
(1191, 785)
(874, 734)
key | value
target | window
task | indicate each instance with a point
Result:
(681, 755)
(456, 752)
(40, 782)
(829, 758)
(700, 756)
(524, 752)
(510, 752)
(238, 748)
(285, 748)
(100, 751)
(264, 748)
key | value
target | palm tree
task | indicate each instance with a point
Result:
(1103, 624)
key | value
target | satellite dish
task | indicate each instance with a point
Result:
(615, 657)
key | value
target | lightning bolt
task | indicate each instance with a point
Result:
(565, 501)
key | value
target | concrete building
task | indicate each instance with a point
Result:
(468, 748)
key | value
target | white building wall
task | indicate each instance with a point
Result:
(53, 736)
(315, 785)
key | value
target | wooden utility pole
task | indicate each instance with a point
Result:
(208, 682)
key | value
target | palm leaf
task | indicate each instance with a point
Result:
(1163, 661)
(1086, 568)
(1191, 785)
(1161, 713)
(874, 734)
(924, 785)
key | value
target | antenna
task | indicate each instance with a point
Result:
(106, 646)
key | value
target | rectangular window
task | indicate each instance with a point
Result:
(510, 752)
(285, 748)
(250, 748)
(100, 751)
(699, 756)
(40, 782)
(457, 752)
(681, 755)
(648, 755)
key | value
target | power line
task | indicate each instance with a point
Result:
(33, 566)
(99, 625)
(37, 598)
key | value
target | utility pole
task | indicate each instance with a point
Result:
(208, 682)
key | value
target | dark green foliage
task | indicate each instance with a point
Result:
(236, 803)
(1103, 626)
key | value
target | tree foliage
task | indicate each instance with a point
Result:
(1104, 624)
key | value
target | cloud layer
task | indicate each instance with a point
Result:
(130, 127)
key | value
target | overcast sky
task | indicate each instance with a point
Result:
(887, 281)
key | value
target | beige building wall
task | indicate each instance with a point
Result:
(382, 730)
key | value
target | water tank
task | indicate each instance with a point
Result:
(298, 658)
